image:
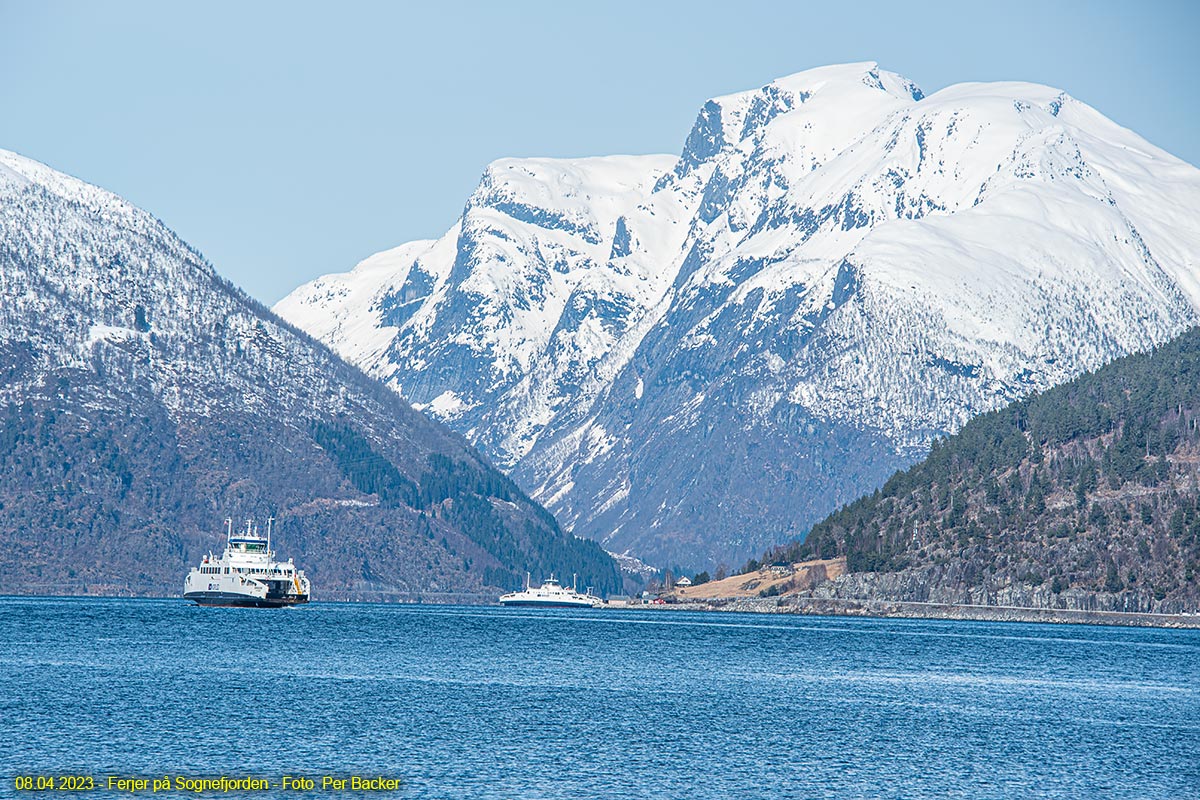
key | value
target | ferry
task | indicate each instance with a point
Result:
(247, 574)
(551, 594)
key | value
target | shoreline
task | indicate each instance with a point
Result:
(799, 605)
(907, 609)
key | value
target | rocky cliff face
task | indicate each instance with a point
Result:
(692, 357)
(144, 400)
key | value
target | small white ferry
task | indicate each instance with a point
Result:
(247, 574)
(550, 594)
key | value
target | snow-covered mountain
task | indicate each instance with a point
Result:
(691, 358)
(143, 399)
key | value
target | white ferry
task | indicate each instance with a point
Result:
(246, 575)
(550, 594)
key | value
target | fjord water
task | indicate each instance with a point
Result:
(469, 702)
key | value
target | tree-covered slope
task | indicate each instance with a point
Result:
(1087, 495)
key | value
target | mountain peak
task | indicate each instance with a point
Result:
(864, 73)
(823, 105)
(835, 271)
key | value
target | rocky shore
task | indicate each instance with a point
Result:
(820, 606)
(824, 587)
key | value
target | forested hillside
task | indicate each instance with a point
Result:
(1083, 496)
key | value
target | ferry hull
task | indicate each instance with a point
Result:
(230, 599)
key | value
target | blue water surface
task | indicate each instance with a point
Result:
(473, 702)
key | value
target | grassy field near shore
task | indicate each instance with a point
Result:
(770, 580)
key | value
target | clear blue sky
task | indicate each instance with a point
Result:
(286, 140)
